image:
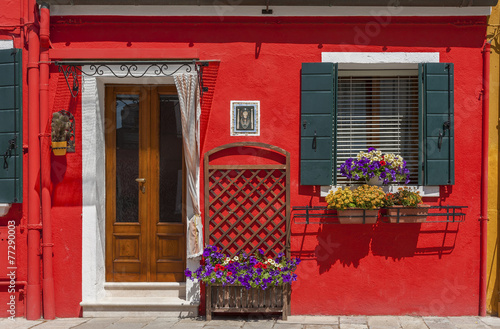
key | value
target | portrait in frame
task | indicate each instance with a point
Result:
(245, 118)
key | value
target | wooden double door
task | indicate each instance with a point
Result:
(145, 229)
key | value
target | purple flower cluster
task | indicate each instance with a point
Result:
(250, 271)
(367, 166)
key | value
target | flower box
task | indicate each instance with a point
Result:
(245, 283)
(400, 214)
(238, 299)
(357, 216)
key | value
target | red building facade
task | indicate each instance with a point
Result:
(427, 269)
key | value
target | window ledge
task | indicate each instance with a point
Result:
(4, 208)
(425, 191)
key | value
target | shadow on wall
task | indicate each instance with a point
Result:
(349, 243)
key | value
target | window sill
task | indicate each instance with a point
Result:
(4, 208)
(425, 191)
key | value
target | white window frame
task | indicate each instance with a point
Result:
(382, 60)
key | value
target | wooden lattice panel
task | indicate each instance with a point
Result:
(247, 210)
(246, 205)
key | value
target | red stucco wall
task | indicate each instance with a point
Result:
(365, 269)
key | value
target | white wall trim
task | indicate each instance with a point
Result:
(225, 11)
(94, 185)
(379, 58)
(6, 44)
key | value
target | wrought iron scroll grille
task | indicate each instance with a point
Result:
(137, 69)
(247, 207)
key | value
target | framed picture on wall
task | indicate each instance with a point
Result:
(245, 118)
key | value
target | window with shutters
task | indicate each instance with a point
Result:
(405, 109)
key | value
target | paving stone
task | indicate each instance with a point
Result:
(287, 326)
(19, 323)
(188, 324)
(136, 320)
(61, 323)
(321, 319)
(160, 323)
(383, 322)
(492, 321)
(353, 326)
(294, 319)
(261, 324)
(130, 323)
(467, 322)
(97, 323)
(411, 322)
(354, 319)
(321, 326)
(224, 324)
(434, 322)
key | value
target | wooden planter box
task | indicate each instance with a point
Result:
(357, 216)
(400, 214)
(238, 299)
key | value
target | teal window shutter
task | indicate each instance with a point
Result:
(316, 124)
(437, 124)
(11, 155)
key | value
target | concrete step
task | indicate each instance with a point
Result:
(140, 307)
(145, 289)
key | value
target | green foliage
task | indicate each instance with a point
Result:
(403, 197)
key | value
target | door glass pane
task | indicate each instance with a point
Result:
(170, 159)
(127, 158)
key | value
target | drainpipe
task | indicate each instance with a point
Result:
(33, 289)
(484, 182)
(45, 128)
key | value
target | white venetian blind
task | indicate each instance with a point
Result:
(378, 109)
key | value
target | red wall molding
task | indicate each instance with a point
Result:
(117, 53)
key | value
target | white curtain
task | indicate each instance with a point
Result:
(189, 100)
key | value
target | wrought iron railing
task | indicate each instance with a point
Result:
(322, 215)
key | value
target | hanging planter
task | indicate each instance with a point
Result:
(401, 214)
(375, 181)
(61, 132)
(376, 168)
(59, 148)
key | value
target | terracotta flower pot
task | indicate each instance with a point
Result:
(357, 216)
(400, 214)
(374, 182)
(59, 148)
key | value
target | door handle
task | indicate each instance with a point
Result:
(142, 182)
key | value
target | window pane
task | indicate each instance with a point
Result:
(379, 112)
(170, 159)
(127, 158)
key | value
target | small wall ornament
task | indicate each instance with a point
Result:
(245, 118)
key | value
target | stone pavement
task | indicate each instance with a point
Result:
(294, 322)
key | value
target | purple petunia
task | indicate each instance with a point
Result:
(387, 167)
(246, 270)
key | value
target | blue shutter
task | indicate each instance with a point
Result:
(11, 155)
(437, 123)
(316, 124)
